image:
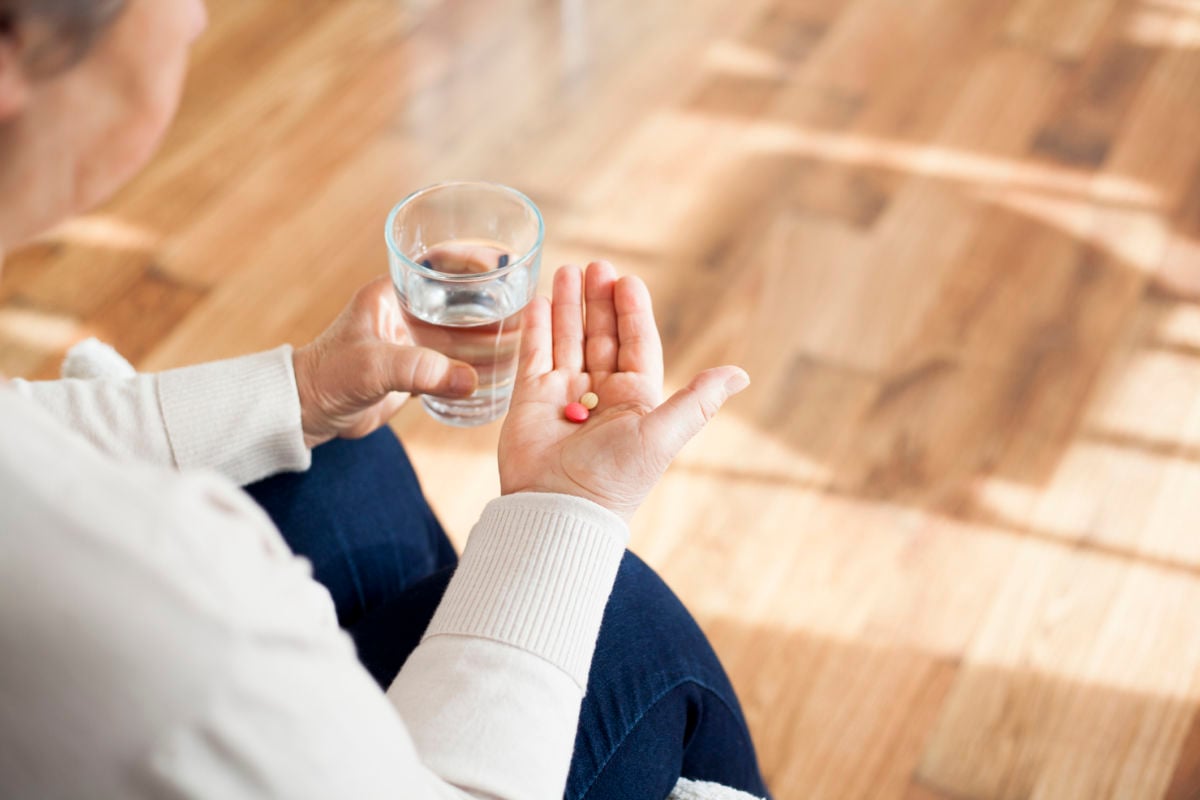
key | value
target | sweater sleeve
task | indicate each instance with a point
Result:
(492, 694)
(240, 416)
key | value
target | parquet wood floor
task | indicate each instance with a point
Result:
(949, 542)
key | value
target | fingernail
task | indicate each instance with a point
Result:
(462, 380)
(736, 382)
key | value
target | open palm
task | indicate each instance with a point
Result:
(612, 348)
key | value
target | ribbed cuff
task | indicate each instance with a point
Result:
(240, 416)
(536, 574)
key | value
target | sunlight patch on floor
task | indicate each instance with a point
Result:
(1167, 382)
(41, 331)
(735, 58)
(760, 455)
(1167, 23)
(1180, 326)
(105, 232)
(939, 162)
(1135, 237)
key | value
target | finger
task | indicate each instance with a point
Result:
(600, 350)
(567, 319)
(373, 298)
(391, 405)
(420, 370)
(379, 289)
(669, 427)
(536, 344)
(376, 308)
(640, 347)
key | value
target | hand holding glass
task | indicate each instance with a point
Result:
(464, 260)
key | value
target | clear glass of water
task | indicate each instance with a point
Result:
(464, 259)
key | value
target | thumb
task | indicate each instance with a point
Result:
(419, 370)
(673, 424)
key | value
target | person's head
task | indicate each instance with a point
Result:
(87, 88)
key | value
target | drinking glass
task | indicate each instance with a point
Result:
(464, 258)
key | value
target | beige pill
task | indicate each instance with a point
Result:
(589, 400)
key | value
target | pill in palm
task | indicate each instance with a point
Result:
(576, 412)
(589, 400)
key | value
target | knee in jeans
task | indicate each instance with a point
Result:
(643, 609)
(640, 591)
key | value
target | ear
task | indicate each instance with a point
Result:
(14, 80)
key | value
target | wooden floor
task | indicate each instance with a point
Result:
(949, 543)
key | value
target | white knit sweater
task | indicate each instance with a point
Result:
(158, 638)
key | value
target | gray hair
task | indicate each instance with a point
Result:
(56, 33)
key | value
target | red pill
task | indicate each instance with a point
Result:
(576, 412)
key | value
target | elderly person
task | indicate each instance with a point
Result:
(159, 637)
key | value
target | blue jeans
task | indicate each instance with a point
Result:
(658, 705)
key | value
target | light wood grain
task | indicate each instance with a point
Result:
(948, 544)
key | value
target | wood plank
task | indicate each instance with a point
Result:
(1066, 29)
(1155, 146)
(1013, 729)
(1185, 782)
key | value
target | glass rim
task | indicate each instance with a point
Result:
(390, 227)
